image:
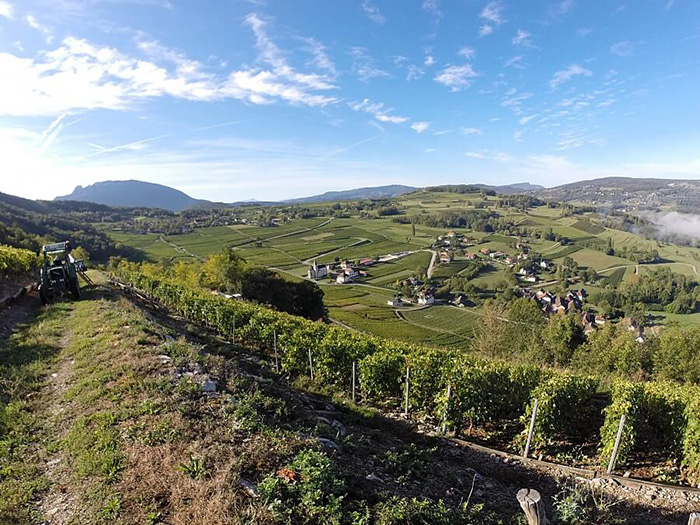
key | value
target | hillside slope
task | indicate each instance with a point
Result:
(116, 413)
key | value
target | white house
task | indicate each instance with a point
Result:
(426, 298)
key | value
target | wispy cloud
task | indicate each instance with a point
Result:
(364, 66)
(492, 15)
(420, 127)
(561, 8)
(34, 24)
(471, 131)
(6, 9)
(565, 75)
(515, 62)
(373, 12)
(456, 77)
(514, 100)
(525, 120)
(320, 60)
(414, 72)
(584, 31)
(379, 110)
(433, 7)
(622, 49)
(429, 58)
(523, 38)
(51, 133)
(469, 53)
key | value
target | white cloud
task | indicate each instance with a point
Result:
(524, 120)
(433, 7)
(6, 9)
(514, 62)
(522, 38)
(378, 110)
(456, 77)
(414, 72)
(79, 75)
(584, 31)
(34, 24)
(565, 75)
(514, 100)
(518, 136)
(485, 30)
(562, 8)
(493, 13)
(622, 49)
(429, 60)
(363, 65)
(320, 60)
(420, 127)
(471, 131)
(467, 52)
(487, 154)
(373, 12)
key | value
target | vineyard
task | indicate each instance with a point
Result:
(459, 392)
(15, 261)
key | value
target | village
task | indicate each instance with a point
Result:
(529, 268)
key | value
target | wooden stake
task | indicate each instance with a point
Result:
(532, 428)
(233, 331)
(311, 366)
(533, 506)
(694, 519)
(354, 379)
(274, 344)
(447, 406)
(406, 395)
(616, 448)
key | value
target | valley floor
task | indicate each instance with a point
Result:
(115, 412)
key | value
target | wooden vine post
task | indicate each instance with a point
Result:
(405, 411)
(447, 409)
(233, 331)
(274, 344)
(533, 506)
(354, 379)
(311, 365)
(532, 428)
(694, 519)
(616, 448)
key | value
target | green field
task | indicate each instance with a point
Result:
(294, 244)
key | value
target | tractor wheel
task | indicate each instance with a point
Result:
(42, 295)
(75, 289)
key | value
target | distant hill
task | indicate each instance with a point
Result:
(134, 194)
(29, 224)
(377, 192)
(629, 192)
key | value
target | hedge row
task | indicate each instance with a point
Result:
(15, 261)
(660, 416)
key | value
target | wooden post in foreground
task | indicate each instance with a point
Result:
(533, 506)
(233, 331)
(274, 344)
(694, 518)
(616, 448)
(532, 428)
(311, 366)
(406, 395)
(354, 379)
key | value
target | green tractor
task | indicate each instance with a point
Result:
(59, 273)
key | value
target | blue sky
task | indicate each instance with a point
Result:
(277, 99)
